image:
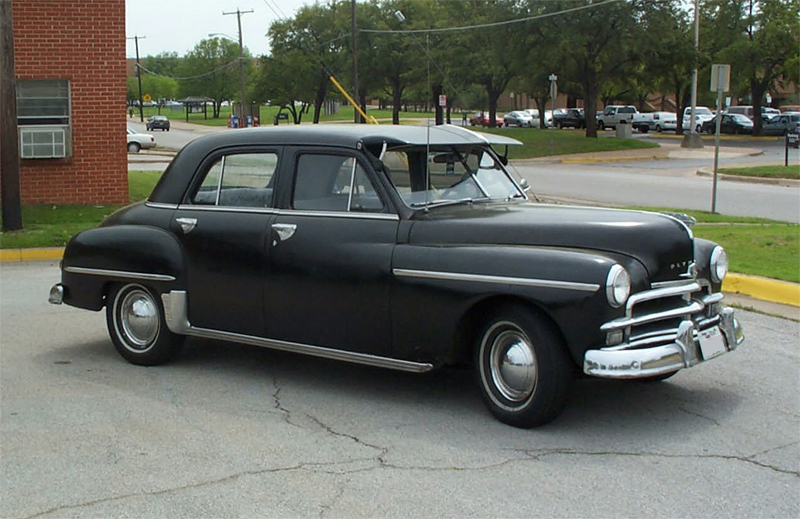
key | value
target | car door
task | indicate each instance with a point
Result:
(331, 248)
(223, 226)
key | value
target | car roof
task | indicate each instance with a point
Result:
(350, 135)
(354, 136)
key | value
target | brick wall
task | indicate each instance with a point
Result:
(82, 41)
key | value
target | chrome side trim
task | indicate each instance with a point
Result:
(668, 284)
(177, 317)
(227, 209)
(159, 205)
(119, 274)
(343, 214)
(479, 278)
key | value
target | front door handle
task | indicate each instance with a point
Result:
(284, 230)
(187, 224)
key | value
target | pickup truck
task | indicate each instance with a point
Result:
(616, 114)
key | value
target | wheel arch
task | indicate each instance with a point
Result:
(474, 317)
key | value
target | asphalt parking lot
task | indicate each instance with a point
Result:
(237, 431)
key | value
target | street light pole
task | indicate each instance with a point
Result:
(239, 14)
(356, 118)
(693, 140)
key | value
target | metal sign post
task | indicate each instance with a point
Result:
(720, 82)
(553, 94)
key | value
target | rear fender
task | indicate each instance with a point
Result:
(96, 258)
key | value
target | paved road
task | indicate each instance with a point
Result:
(238, 431)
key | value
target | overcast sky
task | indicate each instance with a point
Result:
(178, 25)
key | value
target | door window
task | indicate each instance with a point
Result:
(333, 183)
(238, 180)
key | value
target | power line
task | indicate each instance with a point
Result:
(187, 78)
(493, 24)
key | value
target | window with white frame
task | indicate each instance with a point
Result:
(43, 117)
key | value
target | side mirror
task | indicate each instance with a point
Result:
(525, 185)
(487, 162)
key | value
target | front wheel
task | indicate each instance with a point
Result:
(136, 324)
(601, 125)
(522, 367)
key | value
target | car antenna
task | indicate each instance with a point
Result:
(428, 128)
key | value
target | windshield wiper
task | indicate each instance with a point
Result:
(441, 202)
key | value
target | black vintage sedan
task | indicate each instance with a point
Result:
(402, 247)
(731, 123)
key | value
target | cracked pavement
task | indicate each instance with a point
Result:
(238, 431)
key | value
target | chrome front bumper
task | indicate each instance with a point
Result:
(683, 352)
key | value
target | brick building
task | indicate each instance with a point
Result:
(69, 58)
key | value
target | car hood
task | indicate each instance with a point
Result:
(661, 243)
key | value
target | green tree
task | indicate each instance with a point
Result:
(211, 69)
(762, 45)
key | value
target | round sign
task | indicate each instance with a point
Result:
(146, 98)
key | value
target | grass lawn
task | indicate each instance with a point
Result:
(267, 114)
(536, 142)
(792, 171)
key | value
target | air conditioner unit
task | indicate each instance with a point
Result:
(42, 143)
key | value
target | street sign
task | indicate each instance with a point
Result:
(720, 78)
(442, 100)
(146, 98)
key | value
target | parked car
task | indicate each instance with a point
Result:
(159, 122)
(139, 141)
(747, 110)
(518, 118)
(782, 124)
(571, 118)
(731, 123)
(657, 121)
(614, 115)
(701, 115)
(482, 119)
(403, 247)
(534, 113)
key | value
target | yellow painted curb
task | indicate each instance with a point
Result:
(54, 253)
(763, 288)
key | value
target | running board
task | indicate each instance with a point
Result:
(177, 317)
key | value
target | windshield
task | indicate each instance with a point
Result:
(455, 175)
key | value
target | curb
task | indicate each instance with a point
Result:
(632, 158)
(766, 289)
(785, 182)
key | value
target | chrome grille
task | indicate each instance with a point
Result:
(652, 317)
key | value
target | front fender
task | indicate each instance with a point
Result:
(123, 253)
(436, 286)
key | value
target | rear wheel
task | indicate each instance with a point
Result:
(136, 324)
(134, 147)
(522, 367)
(601, 125)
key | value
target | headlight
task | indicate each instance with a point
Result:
(618, 286)
(719, 264)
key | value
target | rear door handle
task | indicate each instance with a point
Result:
(284, 230)
(187, 224)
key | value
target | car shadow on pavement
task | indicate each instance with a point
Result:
(251, 374)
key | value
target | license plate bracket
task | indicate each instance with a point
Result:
(712, 343)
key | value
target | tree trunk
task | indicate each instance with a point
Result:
(397, 98)
(590, 99)
(757, 90)
(319, 99)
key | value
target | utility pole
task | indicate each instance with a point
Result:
(239, 14)
(356, 118)
(693, 140)
(139, 75)
(9, 141)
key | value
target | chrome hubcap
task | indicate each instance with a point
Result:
(513, 365)
(138, 315)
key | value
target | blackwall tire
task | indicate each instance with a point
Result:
(134, 147)
(135, 321)
(522, 366)
(601, 126)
